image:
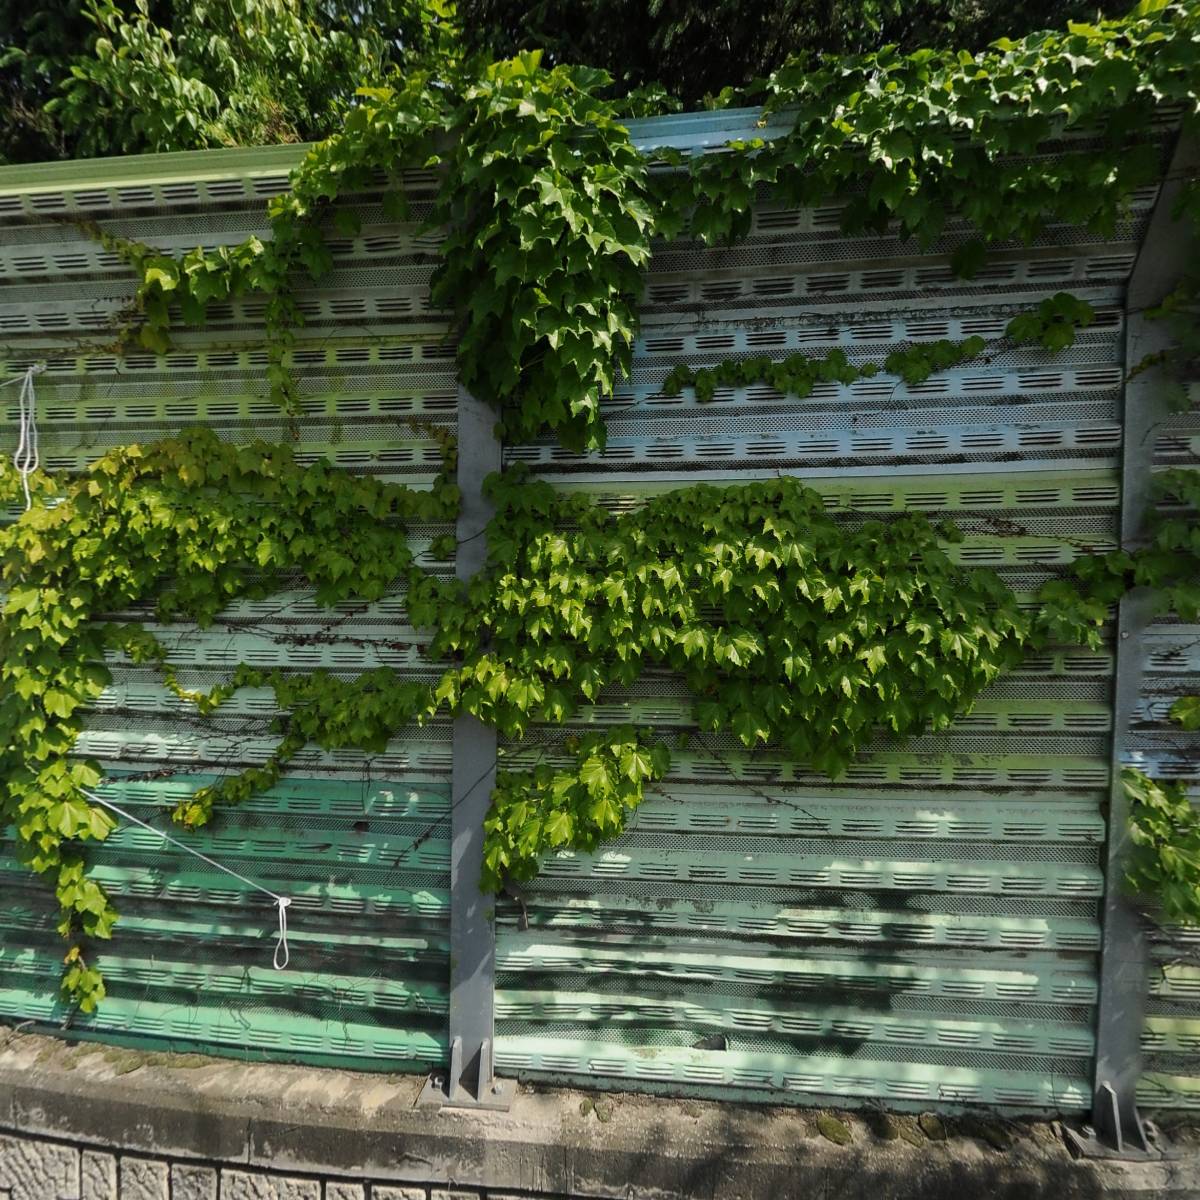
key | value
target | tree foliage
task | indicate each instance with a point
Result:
(92, 77)
(703, 51)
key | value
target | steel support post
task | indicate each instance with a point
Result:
(469, 1081)
(1117, 1127)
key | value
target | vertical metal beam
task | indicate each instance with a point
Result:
(469, 1081)
(1124, 957)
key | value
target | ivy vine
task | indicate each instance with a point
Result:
(547, 224)
(1052, 325)
(1165, 830)
(548, 235)
(787, 626)
(190, 523)
(924, 139)
(1163, 824)
(549, 210)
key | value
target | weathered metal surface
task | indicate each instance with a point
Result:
(361, 843)
(924, 930)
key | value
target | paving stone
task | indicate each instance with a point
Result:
(932, 1127)
(98, 1176)
(909, 1129)
(144, 1179)
(254, 1185)
(193, 1183)
(31, 1170)
(398, 1193)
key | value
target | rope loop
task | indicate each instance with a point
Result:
(281, 945)
(27, 459)
(281, 902)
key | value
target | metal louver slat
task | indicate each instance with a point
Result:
(925, 929)
(1170, 653)
(360, 843)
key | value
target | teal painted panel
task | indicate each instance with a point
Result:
(360, 843)
(798, 1078)
(1171, 1036)
(922, 932)
(189, 966)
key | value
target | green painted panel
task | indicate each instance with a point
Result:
(1171, 1034)
(94, 174)
(922, 931)
(794, 1078)
(189, 966)
(360, 843)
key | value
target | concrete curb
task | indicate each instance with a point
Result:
(339, 1125)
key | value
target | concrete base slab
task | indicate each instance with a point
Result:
(341, 1126)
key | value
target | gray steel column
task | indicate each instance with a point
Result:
(1124, 958)
(470, 1081)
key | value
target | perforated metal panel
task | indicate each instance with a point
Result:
(925, 929)
(360, 843)
(1171, 664)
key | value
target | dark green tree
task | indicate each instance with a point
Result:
(37, 45)
(697, 48)
(80, 78)
(89, 77)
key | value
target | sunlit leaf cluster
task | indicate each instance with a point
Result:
(189, 524)
(788, 627)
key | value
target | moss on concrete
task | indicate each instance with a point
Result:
(932, 1127)
(834, 1129)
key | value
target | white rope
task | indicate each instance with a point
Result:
(37, 369)
(281, 944)
(26, 460)
(281, 902)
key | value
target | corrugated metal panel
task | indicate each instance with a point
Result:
(1157, 746)
(925, 929)
(361, 844)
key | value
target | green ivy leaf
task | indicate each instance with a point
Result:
(1185, 712)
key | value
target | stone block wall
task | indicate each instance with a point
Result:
(36, 1169)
